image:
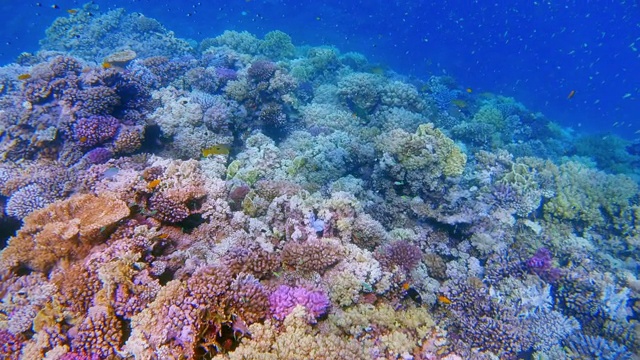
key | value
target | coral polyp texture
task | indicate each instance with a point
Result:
(244, 198)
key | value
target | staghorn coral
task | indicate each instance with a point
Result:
(64, 229)
(594, 347)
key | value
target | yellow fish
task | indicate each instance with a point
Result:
(220, 149)
(24, 76)
(153, 184)
(106, 65)
(444, 300)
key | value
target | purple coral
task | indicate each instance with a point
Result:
(285, 298)
(10, 345)
(226, 74)
(167, 210)
(95, 130)
(261, 70)
(541, 264)
(99, 155)
(399, 253)
(76, 356)
(98, 100)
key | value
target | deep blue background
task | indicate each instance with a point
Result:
(537, 52)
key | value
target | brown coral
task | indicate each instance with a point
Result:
(312, 255)
(64, 229)
(120, 59)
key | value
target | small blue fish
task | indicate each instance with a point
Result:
(110, 172)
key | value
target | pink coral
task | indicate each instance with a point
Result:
(99, 333)
(286, 298)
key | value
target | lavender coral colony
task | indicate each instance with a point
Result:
(247, 199)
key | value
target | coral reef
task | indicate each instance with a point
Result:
(260, 200)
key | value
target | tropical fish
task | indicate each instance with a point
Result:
(469, 90)
(153, 184)
(110, 172)
(444, 300)
(571, 94)
(106, 65)
(72, 11)
(24, 76)
(220, 149)
(414, 295)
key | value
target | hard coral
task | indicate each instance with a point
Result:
(98, 100)
(312, 255)
(95, 130)
(399, 253)
(190, 314)
(64, 229)
(286, 298)
(10, 345)
(99, 155)
(99, 333)
(541, 264)
(261, 70)
(26, 200)
(166, 209)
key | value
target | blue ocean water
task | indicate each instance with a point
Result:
(538, 52)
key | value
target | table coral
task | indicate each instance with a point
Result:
(62, 229)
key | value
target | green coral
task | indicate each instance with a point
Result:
(277, 45)
(429, 151)
(591, 196)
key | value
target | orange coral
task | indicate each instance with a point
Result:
(64, 229)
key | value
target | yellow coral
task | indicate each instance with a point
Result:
(64, 229)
